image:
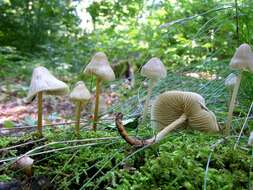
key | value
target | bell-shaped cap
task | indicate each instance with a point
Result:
(250, 142)
(170, 105)
(80, 92)
(243, 58)
(154, 69)
(231, 79)
(100, 67)
(44, 81)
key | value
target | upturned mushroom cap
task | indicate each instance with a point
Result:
(250, 142)
(243, 58)
(154, 69)
(80, 92)
(44, 81)
(170, 105)
(100, 67)
(231, 79)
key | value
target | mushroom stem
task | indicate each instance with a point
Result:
(232, 104)
(155, 139)
(96, 104)
(78, 114)
(150, 87)
(39, 123)
(28, 171)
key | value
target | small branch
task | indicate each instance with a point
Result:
(124, 134)
(155, 139)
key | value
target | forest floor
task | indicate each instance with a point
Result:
(102, 160)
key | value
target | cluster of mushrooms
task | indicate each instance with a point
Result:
(170, 110)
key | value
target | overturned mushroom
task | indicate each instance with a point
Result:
(171, 110)
(242, 60)
(153, 70)
(100, 67)
(44, 82)
(80, 95)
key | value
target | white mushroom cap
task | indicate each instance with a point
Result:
(154, 69)
(24, 162)
(80, 92)
(44, 81)
(243, 58)
(231, 79)
(100, 67)
(250, 142)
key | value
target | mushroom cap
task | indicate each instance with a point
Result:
(24, 161)
(80, 92)
(154, 69)
(170, 105)
(243, 58)
(250, 142)
(44, 81)
(231, 79)
(100, 67)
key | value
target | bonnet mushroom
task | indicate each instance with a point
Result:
(100, 67)
(171, 110)
(153, 70)
(44, 82)
(242, 60)
(79, 95)
(25, 163)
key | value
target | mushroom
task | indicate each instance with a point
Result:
(79, 95)
(230, 82)
(171, 110)
(100, 67)
(242, 60)
(153, 70)
(250, 142)
(24, 163)
(44, 82)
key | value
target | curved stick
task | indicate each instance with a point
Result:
(155, 139)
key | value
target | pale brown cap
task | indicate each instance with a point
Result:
(154, 69)
(24, 161)
(243, 58)
(170, 105)
(44, 81)
(80, 92)
(231, 79)
(100, 67)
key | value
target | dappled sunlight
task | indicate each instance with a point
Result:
(202, 75)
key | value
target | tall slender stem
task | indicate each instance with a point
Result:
(39, 123)
(150, 87)
(78, 114)
(232, 104)
(96, 103)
